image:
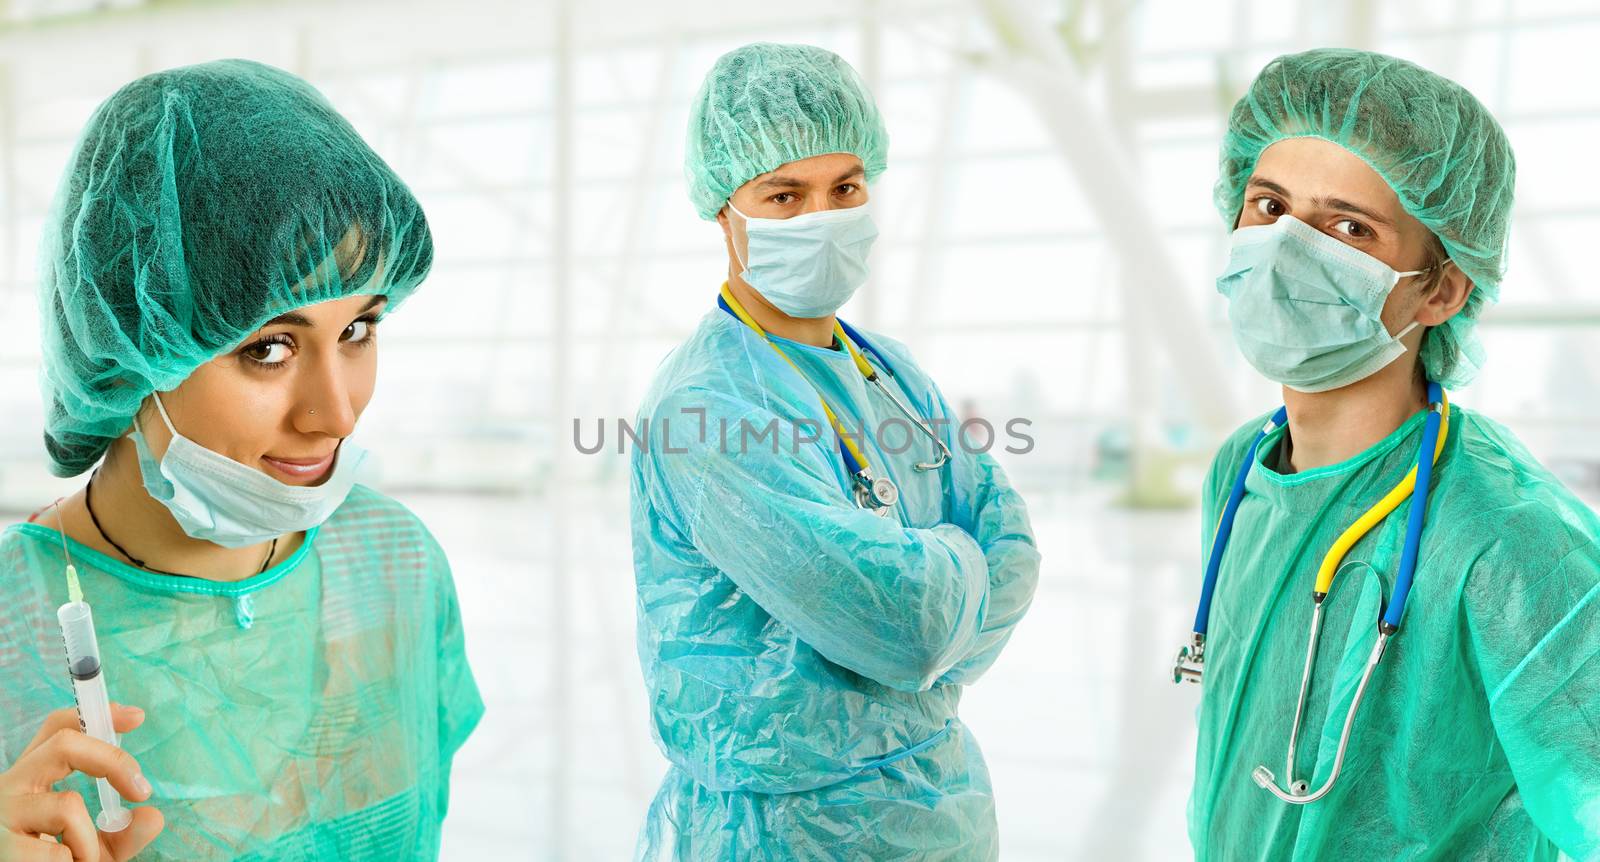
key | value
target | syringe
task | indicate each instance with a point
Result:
(89, 687)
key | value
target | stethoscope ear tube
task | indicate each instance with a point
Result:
(943, 456)
(1419, 506)
(940, 459)
(1190, 664)
(1202, 614)
(1263, 776)
(877, 493)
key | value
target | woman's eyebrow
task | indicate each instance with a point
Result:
(295, 318)
(288, 318)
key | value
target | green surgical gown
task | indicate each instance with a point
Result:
(309, 712)
(1479, 736)
(804, 657)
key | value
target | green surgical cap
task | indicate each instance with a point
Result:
(1434, 143)
(766, 105)
(200, 203)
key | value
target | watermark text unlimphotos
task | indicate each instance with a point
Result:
(892, 436)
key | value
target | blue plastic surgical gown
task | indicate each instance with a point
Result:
(803, 657)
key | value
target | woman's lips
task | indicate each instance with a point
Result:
(300, 470)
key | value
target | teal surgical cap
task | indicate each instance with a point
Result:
(765, 105)
(1436, 145)
(200, 203)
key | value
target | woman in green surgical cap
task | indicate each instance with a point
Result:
(1370, 200)
(804, 652)
(283, 643)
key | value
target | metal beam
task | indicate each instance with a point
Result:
(1039, 68)
(926, 273)
(559, 617)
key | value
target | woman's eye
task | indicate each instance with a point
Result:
(267, 353)
(1352, 229)
(358, 332)
(1269, 207)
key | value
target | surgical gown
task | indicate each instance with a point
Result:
(309, 712)
(1479, 736)
(803, 657)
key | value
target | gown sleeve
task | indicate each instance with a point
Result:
(989, 509)
(1534, 629)
(460, 706)
(898, 605)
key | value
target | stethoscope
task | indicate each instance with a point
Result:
(1190, 664)
(878, 493)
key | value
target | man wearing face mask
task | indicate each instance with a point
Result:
(821, 566)
(1445, 708)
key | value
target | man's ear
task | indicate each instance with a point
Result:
(1448, 296)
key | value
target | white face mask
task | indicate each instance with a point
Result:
(1307, 309)
(809, 265)
(216, 499)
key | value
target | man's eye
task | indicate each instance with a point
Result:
(1352, 229)
(1269, 207)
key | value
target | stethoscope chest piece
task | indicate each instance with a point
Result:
(879, 495)
(1190, 664)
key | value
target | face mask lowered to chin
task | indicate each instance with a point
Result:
(1306, 309)
(217, 499)
(809, 265)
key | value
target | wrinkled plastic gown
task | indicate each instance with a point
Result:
(804, 657)
(309, 712)
(1478, 736)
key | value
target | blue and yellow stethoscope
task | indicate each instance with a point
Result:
(1190, 664)
(877, 493)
